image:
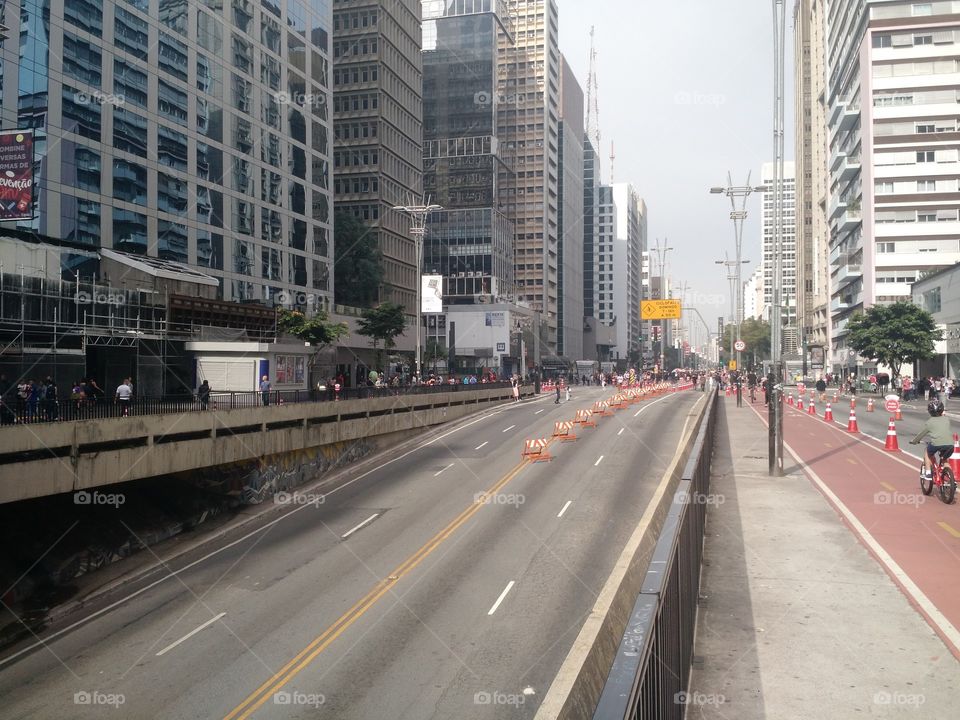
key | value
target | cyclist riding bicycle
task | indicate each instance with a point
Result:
(941, 437)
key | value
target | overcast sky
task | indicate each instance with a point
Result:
(686, 94)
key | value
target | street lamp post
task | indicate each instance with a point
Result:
(418, 224)
(738, 215)
(661, 249)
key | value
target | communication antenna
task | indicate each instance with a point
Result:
(593, 95)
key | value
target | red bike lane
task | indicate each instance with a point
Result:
(915, 538)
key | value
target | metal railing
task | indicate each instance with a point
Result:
(651, 671)
(14, 410)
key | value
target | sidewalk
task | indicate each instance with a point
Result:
(797, 619)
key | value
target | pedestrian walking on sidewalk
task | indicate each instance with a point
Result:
(557, 401)
(123, 396)
(203, 394)
(568, 393)
(265, 390)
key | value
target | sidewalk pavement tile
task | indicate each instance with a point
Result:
(796, 619)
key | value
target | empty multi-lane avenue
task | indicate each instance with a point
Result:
(448, 579)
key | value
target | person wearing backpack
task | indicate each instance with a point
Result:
(51, 404)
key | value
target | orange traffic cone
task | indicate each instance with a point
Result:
(790, 400)
(852, 426)
(828, 413)
(853, 403)
(955, 458)
(870, 405)
(800, 404)
(836, 396)
(812, 409)
(891, 444)
(899, 415)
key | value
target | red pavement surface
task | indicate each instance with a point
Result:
(916, 538)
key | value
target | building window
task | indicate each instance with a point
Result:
(129, 231)
(129, 182)
(926, 156)
(926, 185)
(922, 9)
(931, 300)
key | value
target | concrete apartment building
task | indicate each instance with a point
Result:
(625, 278)
(570, 221)
(788, 251)
(893, 128)
(811, 147)
(196, 133)
(377, 114)
(528, 122)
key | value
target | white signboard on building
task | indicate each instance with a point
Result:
(431, 294)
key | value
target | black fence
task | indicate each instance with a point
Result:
(16, 411)
(650, 674)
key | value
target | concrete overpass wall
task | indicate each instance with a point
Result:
(51, 458)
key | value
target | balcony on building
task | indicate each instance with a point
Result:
(848, 167)
(847, 273)
(843, 115)
(842, 302)
(837, 207)
(852, 218)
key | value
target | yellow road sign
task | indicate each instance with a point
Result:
(733, 365)
(660, 310)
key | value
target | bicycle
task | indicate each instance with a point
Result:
(941, 476)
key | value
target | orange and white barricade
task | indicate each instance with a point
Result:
(585, 419)
(564, 431)
(536, 450)
(601, 408)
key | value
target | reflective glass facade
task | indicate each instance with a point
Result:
(190, 130)
(471, 242)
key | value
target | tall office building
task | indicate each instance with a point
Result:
(471, 241)
(788, 252)
(811, 143)
(378, 114)
(606, 238)
(892, 123)
(570, 219)
(528, 121)
(591, 205)
(194, 132)
(627, 274)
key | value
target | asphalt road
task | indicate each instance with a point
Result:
(400, 595)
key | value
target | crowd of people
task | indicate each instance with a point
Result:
(32, 400)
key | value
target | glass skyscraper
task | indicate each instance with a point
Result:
(189, 130)
(471, 241)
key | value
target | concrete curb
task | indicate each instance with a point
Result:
(578, 685)
(60, 612)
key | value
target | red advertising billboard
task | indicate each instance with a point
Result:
(16, 175)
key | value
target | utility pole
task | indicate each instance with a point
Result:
(775, 379)
(418, 224)
(661, 249)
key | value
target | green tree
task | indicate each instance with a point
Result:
(434, 351)
(358, 266)
(894, 334)
(382, 324)
(755, 333)
(316, 330)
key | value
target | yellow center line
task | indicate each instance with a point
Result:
(263, 693)
(949, 529)
(888, 486)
